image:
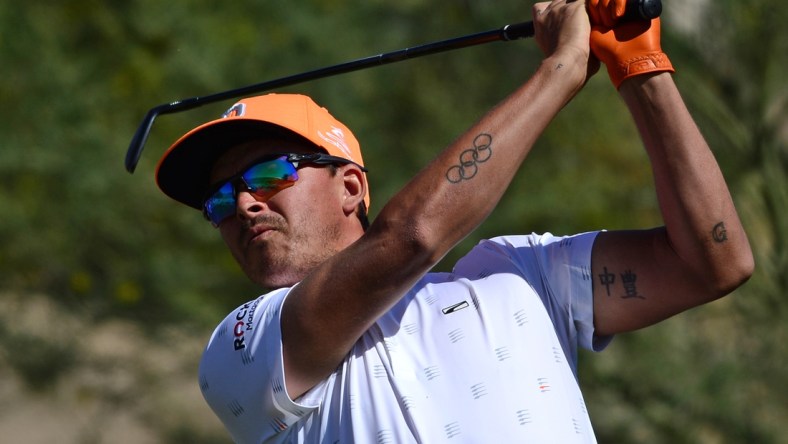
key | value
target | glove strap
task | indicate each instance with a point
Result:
(643, 64)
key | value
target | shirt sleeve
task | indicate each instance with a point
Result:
(242, 375)
(559, 271)
(566, 264)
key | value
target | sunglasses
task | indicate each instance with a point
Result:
(263, 180)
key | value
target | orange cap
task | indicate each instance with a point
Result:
(183, 172)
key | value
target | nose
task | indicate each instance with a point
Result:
(248, 205)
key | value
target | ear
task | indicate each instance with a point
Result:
(355, 188)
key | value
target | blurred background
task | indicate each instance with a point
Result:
(109, 290)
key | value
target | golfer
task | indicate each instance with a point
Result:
(358, 342)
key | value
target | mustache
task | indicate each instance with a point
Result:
(273, 221)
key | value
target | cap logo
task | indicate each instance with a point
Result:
(237, 110)
(336, 137)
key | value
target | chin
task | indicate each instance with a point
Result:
(278, 272)
(273, 285)
(272, 280)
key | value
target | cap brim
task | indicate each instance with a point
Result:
(184, 171)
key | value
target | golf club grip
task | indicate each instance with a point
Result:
(642, 10)
(635, 10)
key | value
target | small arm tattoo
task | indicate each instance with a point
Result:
(607, 279)
(470, 159)
(719, 234)
(628, 281)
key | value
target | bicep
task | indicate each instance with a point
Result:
(639, 280)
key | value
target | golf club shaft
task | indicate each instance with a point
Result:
(636, 9)
(506, 33)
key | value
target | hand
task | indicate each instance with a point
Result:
(560, 25)
(606, 12)
(627, 49)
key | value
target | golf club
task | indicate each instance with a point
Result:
(635, 9)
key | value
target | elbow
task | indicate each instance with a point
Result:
(745, 267)
(424, 243)
(734, 272)
(414, 242)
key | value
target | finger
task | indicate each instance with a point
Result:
(620, 8)
(593, 11)
(615, 10)
(607, 13)
(539, 9)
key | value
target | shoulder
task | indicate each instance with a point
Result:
(250, 316)
(530, 248)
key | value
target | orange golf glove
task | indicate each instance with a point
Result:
(629, 48)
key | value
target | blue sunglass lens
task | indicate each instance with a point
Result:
(263, 180)
(221, 204)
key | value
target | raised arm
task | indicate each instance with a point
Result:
(326, 314)
(702, 253)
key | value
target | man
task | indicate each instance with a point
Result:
(358, 342)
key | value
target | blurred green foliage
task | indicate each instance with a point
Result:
(79, 75)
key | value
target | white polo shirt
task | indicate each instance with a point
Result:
(484, 354)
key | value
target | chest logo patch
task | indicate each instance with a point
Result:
(454, 308)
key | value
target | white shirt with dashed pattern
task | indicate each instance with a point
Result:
(484, 354)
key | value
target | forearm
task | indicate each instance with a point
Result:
(701, 222)
(460, 188)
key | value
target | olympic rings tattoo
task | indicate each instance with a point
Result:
(470, 159)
